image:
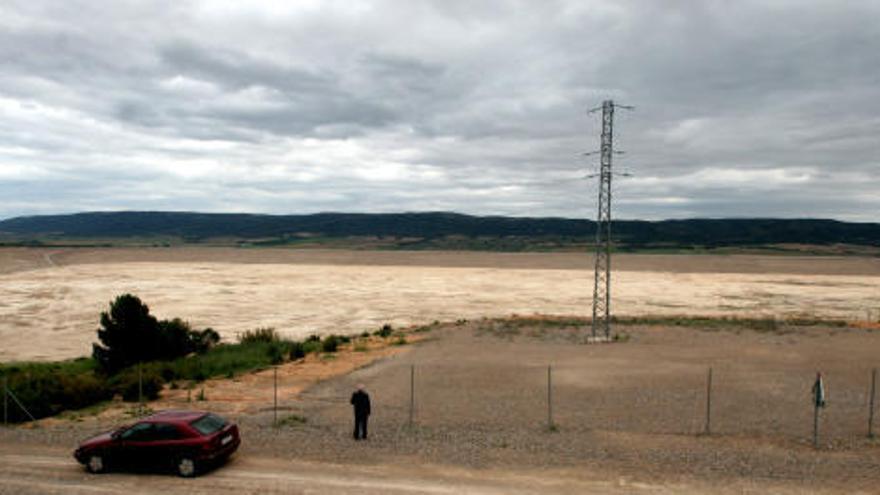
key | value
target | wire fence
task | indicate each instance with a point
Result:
(722, 400)
(719, 401)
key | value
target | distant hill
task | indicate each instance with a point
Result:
(429, 230)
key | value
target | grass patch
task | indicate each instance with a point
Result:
(265, 335)
(292, 420)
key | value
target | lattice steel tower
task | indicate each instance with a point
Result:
(602, 276)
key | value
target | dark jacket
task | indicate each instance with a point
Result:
(361, 402)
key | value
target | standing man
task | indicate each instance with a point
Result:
(361, 402)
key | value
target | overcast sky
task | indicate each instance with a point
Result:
(743, 108)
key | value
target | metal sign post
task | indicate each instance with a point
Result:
(412, 393)
(871, 403)
(709, 403)
(818, 402)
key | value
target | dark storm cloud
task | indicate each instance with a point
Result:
(743, 108)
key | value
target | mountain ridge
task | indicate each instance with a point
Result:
(198, 227)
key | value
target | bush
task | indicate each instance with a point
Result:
(275, 353)
(310, 346)
(205, 340)
(266, 334)
(297, 351)
(46, 389)
(330, 343)
(126, 384)
(385, 331)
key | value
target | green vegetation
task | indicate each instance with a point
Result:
(292, 420)
(130, 334)
(47, 389)
(330, 343)
(267, 334)
(385, 331)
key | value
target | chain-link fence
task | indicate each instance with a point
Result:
(739, 400)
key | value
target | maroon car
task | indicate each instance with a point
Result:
(184, 440)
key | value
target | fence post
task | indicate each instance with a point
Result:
(412, 393)
(275, 396)
(708, 429)
(871, 403)
(550, 398)
(5, 400)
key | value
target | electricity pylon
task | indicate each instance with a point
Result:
(602, 275)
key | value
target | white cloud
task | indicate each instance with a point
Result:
(742, 108)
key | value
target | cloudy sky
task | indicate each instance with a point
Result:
(764, 108)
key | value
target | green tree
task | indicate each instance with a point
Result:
(129, 334)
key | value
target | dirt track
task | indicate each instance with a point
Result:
(48, 470)
(54, 296)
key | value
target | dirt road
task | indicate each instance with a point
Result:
(34, 469)
(43, 470)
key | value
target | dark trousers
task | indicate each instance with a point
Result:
(360, 426)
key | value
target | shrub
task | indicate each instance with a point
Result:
(275, 353)
(297, 351)
(126, 384)
(266, 334)
(205, 340)
(46, 389)
(310, 346)
(385, 331)
(330, 343)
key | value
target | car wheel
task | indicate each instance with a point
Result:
(186, 467)
(95, 464)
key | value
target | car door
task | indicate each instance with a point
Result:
(137, 445)
(170, 443)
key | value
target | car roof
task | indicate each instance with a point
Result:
(175, 416)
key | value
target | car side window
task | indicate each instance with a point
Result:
(165, 431)
(141, 432)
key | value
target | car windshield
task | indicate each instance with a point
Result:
(208, 424)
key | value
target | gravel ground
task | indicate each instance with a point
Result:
(629, 409)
